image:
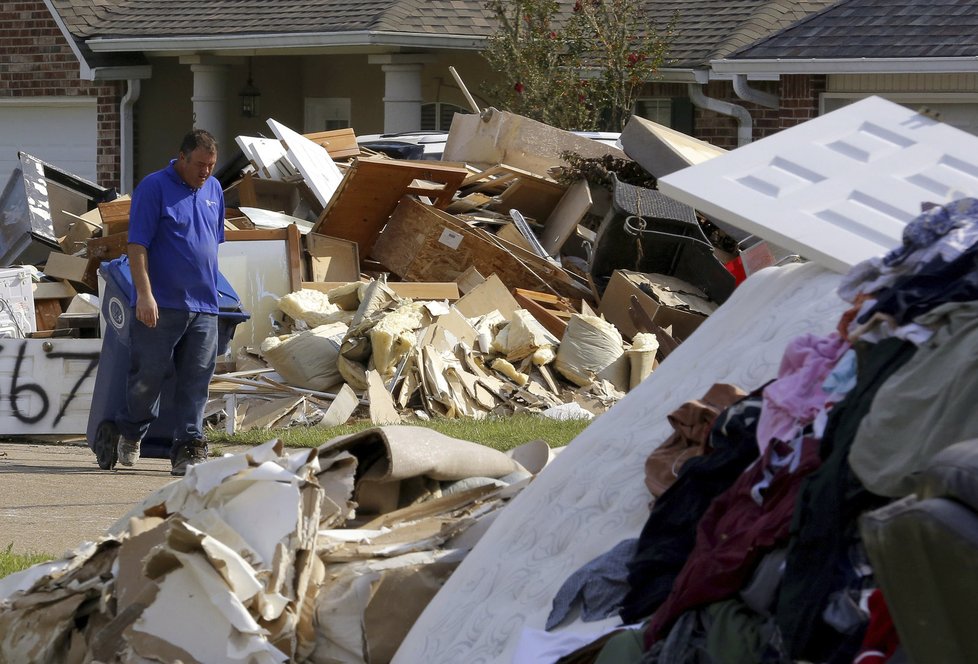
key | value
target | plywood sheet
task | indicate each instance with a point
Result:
(370, 191)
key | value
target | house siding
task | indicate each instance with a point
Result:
(36, 61)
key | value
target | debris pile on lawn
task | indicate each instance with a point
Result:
(511, 275)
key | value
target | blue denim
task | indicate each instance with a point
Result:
(182, 345)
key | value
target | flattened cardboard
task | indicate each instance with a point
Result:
(69, 268)
(382, 409)
(490, 295)
(615, 303)
(332, 258)
(53, 290)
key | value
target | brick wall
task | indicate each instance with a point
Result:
(799, 98)
(36, 61)
(799, 102)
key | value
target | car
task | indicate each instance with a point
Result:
(431, 144)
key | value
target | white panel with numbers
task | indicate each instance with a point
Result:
(46, 385)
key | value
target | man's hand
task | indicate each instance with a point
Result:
(146, 310)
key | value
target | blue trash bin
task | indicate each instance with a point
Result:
(110, 380)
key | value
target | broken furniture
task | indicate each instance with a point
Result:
(646, 231)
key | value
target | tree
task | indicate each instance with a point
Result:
(577, 65)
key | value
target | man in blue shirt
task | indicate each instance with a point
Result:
(176, 223)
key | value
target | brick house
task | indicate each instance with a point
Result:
(105, 90)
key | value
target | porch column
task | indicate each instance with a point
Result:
(210, 103)
(402, 89)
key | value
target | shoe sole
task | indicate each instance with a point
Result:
(106, 446)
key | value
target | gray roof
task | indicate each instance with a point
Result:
(706, 29)
(876, 29)
(183, 18)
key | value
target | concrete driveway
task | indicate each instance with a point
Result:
(53, 496)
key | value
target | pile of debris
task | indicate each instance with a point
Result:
(507, 277)
(324, 555)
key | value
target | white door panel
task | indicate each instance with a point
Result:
(839, 188)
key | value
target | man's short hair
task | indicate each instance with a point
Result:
(198, 138)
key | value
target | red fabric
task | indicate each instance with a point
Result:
(881, 639)
(732, 537)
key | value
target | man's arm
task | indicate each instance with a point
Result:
(146, 310)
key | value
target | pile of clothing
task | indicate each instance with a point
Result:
(752, 549)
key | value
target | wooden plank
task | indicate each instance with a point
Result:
(370, 191)
(46, 314)
(115, 216)
(421, 243)
(446, 290)
(339, 143)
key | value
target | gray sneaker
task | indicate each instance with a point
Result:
(128, 451)
(188, 454)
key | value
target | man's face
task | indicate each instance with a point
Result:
(196, 167)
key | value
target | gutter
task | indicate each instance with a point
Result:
(745, 124)
(282, 41)
(125, 135)
(776, 66)
(753, 95)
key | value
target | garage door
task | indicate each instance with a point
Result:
(60, 131)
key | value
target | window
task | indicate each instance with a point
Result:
(656, 109)
(437, 115)
(326, 113)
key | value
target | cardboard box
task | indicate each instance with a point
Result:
(616, 301)
(69, 268)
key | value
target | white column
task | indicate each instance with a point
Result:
(402, 97)
(402, 89)
(211, 104)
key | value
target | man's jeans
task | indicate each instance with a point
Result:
(183, 343)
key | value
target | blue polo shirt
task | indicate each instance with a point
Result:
(181, 228)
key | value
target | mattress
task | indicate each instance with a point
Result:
(593, 494)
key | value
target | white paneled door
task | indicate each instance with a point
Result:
(839, 188)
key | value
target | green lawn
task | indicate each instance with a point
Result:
(14, 562)
(501, 433)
